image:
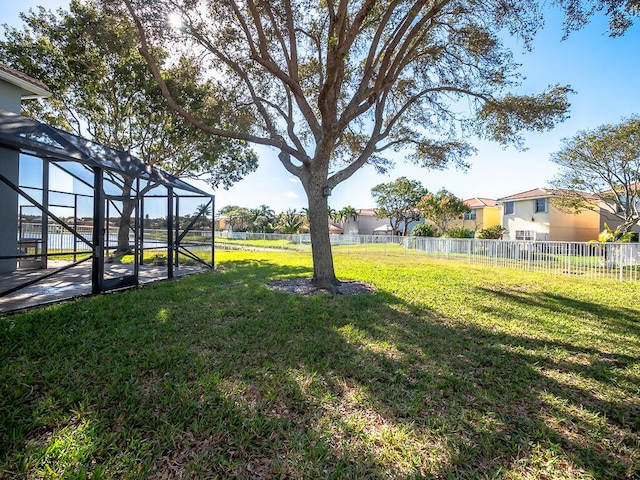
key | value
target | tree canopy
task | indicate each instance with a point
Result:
(604, 163)
(442, 208)
(398, 201)
(622, 13)
(334, 86)
(102, 89)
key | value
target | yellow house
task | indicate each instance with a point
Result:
(484, 213)
(531, 215)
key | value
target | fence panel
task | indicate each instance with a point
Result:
(618, 261)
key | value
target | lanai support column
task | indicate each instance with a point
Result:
(44, 234)
(97, 262)
(170, 232)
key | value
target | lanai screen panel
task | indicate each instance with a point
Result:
(102, 172)
(36, 138)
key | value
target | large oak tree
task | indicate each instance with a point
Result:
(339, 84)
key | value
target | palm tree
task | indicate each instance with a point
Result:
(331, 213)
(203, 212)
(290, 222)
(261, 219)
(203, 209)
(304, 213)
(347, 214)
(267, 211)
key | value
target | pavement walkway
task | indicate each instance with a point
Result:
(73, 282)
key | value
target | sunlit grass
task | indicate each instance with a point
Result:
(447, 371)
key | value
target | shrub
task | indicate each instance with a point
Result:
(609, 235)
(492, 233)
(423, 230)
(458, 232)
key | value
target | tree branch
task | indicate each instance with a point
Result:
(155, 71)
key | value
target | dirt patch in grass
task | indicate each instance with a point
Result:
(303, 286)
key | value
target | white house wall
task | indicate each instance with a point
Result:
(525, 219)
(10, 100)
(367, 223)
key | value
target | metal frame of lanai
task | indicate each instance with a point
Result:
(111, 183)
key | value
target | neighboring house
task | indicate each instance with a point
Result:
(222, 223)
(335, 229)
(366, 222)
(485, 213)
(531, 215)
(350, 225)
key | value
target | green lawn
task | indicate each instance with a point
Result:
(447, 371)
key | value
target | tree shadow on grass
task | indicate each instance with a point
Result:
(217, 375)
(619, 320)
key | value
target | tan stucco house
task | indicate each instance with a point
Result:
(531, 215)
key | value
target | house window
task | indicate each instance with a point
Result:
(525, 235)
(509, 208)
(540, 205)
(470, 215)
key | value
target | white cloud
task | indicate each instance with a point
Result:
(293, 179)
(291, 194)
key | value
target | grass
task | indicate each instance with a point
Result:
(447, 371)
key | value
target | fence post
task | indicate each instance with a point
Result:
(621, 262)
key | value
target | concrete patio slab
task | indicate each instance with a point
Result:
(73, 282)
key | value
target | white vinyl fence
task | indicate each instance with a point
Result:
(618, 261)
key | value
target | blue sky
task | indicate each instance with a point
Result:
(604, 72)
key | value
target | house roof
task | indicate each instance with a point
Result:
(633, 187)
(478, 202)
(366, 211)
(31, 88)
(542, 193)
(335, 229)
(534, 193)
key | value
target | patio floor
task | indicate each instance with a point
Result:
(73, 282)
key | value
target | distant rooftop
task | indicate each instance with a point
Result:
(479, 202)
(366, 211)
(540, 193)
(31, 88)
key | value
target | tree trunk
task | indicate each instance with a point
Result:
(323, 272)
(128, 206)
(394, 226)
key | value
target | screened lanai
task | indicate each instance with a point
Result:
(84, 218)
